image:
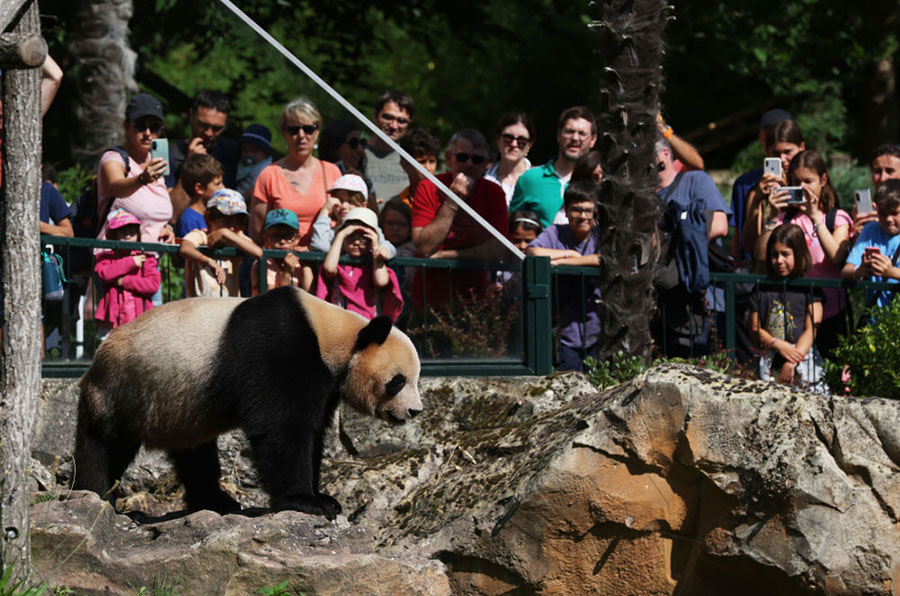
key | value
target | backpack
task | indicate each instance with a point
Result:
(685, 247)
(87, 222)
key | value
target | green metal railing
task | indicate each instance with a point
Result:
(535, 306)
(539, 291)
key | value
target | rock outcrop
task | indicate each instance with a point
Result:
(681, 480)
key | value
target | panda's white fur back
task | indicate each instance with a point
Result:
(167, 353)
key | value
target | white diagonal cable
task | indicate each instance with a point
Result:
(377, 131)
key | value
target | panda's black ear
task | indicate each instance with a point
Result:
(375, 332)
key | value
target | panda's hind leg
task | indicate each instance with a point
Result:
(198, 470)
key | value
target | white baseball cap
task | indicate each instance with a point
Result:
(351, 182)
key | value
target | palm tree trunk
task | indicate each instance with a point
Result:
(105, 63)
(630, 50)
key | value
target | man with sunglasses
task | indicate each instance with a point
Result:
(208, 118)
(393, 113)
(441, 231)
(541, 189)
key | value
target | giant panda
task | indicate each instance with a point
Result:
(274, 366)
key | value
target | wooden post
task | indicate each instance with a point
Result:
(22, 51)
(8, 11)
(20, 370)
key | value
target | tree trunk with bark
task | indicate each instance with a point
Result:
(98, 40)
(882, 114)
(630, 49)
(20, 370)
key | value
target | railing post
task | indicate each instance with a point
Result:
(537, 314)
(730, 321)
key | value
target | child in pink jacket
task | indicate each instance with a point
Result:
(130, 278)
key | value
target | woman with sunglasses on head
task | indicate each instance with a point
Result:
(515, 137)
(298, 181)
(137, 184)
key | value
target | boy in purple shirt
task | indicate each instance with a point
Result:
(578, 298)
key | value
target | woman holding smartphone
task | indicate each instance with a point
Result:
(783, 141)
(137, 185)
(826, 229)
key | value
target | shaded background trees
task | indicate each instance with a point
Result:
(831, 63)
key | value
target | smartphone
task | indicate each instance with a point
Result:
(863, 201)
(796, 194)
(160, 148)
(870, 252)
(772, 165)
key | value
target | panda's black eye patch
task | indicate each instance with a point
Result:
(394, 386)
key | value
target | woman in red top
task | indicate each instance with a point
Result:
(298, 181)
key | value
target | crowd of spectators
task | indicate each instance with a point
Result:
(338, 193)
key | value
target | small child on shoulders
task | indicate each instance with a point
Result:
(201, 176)
(784, 321)
(227, 219)
(282, 232)
(348, 192)
(130, 277)
(877, 250)
(369, 289)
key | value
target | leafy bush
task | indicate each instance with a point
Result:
(73, 181)
(865, 362)
(476, 327)
(621, 368)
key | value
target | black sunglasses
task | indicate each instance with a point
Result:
(356, 142)
(521, 141)
(151, 123)
(307, 128)
(475, 159)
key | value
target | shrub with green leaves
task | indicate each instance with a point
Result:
(865, 362)
(620, 368)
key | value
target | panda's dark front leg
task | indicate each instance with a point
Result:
(100, 458)
(198, 469)
(289, 471)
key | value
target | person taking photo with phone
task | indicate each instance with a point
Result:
(875, 255)
(826, 228)
(136, 184)
(783, 141)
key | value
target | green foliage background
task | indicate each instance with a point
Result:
(466, 62)
(870, 354)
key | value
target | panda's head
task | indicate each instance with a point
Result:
(383, 373)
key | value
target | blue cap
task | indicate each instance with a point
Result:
(258, 136)
(282, 217)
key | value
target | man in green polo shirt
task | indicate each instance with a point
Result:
(541, 189)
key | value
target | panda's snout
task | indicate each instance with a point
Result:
(412, 413)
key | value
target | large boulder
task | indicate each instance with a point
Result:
(681, 480)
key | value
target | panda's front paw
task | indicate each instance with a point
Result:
(329, 503)
(320, 504)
